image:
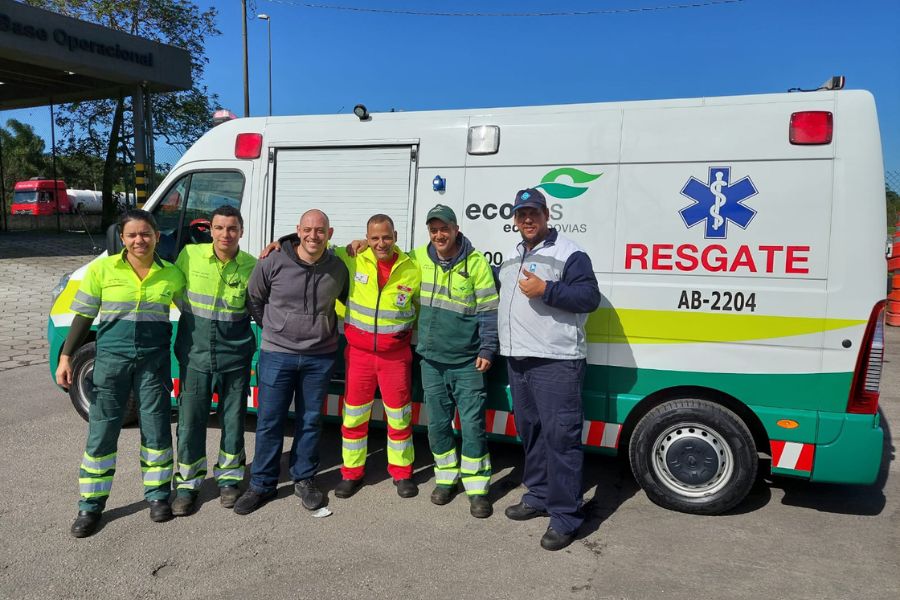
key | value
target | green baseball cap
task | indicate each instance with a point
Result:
(442, 212)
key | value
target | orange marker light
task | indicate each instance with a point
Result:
(788, 423)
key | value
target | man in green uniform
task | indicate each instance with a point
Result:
(457, 343)
(214, 346)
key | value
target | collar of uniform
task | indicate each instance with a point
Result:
(210, 253)
(156, 264)
(547, 241)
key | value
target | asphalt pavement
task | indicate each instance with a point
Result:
(788, 539)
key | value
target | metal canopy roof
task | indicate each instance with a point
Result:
(46, 57)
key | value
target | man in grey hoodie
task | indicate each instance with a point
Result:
(291, 295)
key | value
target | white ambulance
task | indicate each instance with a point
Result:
(738, 243)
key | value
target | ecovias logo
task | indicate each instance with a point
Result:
(563, 183)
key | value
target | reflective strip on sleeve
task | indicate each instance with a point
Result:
(489, 305)
(485, 293)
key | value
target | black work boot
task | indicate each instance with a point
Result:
(85, 524)
(347, 487)
(184, 504)
(406, 488)
(160, 511)
(523, 512)
(311, 497)
(228, 495)
(443, 494)
(554, 540)
(480, 507)
(252, 500)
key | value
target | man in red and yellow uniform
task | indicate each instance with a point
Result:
(378, 325)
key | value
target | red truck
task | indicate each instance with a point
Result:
(36, 197)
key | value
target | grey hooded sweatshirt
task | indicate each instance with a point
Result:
(293, 301)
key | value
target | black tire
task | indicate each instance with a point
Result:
(82, 391)
(693, 456)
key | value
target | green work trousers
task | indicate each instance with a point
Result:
(451, 388)
(194, 404)
(148, 379)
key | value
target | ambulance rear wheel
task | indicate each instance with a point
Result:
(693, 456)
(82, 391)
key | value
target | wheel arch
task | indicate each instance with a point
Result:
(651, 401)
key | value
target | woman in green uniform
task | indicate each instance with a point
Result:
(129, 295)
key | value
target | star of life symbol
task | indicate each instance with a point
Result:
(717, 202)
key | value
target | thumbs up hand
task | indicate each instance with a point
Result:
(532, 286)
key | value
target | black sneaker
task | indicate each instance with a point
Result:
(406, 488)
(443, 494)
(184, 504)
(85, 524)
(252, 500)
(228, 495)
(160, 511)
(523, 512)
(480, 507)
(347, 487)
(311, 497)
(554, 540)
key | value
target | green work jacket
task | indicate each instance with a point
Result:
(214, 332)
(132, 315)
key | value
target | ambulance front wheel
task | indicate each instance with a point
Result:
(693, 456)
(82, 390)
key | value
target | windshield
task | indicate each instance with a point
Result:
(25, 197)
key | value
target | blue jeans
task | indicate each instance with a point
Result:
(546, 395)
(286, 378)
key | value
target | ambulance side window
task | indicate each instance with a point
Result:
(183, 215)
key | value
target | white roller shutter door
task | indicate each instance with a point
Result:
(349, 184)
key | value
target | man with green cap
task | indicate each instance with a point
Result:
(457, 340)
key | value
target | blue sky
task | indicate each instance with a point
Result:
(326, 61)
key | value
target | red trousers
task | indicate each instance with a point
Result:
(391, 373)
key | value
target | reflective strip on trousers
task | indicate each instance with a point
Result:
(474, 465)
(155, 458)
(353, 452)
(94, 487)
(189, 477)
(400, 452)
(98, 464)
(445, 477)
(398, 418)
(229, 461)
(354, 416)
(229, 474)
(154, 476)
(447, 460)
(476, 485)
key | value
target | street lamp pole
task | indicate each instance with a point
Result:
(246, 70)
(268, 21)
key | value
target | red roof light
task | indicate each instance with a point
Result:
(248, 145)
(810, 128)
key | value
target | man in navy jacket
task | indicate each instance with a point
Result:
(547, 290)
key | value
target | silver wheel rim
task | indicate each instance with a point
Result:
(85, 383)
(713, 442)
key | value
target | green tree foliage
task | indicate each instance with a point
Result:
(104, 127)
(23, 155)
(893, 208)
